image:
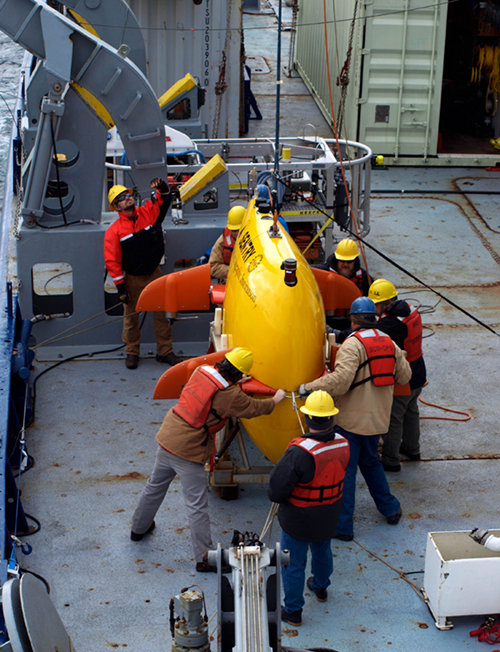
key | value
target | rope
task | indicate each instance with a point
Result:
(488, 632)
(273, 510)
(71, 332)
(354, 213)
(401, 574)
(56, 338)
(251, 622)
(441, 407)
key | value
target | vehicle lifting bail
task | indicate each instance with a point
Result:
(235, 217)
(363, 306)
(382, 290)
(319, 404)
(114, 192)
(346, 249)
(240, 358)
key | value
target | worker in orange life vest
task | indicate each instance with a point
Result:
(221, 253)
(362, 383)
(307, 483)
(345, 261)
(402, 322)
(185, 442)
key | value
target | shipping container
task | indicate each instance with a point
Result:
(203, 38)
(416, 81)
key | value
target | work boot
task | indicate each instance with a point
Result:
(291, 617)
(391, 468)
(170, 358)
(413, 457)
(343, 537)
(395, 518)
(135, 536)
(131, 361)
(321, 594)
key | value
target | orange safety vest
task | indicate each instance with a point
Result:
(326, 486)
(195, 402)
(229, 242)
(381, 353)
(413, 341)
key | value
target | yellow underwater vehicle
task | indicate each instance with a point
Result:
(274, 303)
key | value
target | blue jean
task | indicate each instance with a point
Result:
(364, 453)
(293, 575)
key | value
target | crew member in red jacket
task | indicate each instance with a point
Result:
(133, 249)
(307, 483)
(402, 322)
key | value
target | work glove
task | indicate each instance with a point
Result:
(302, 391)
(122, 292)
(479, 535)
(159, 184)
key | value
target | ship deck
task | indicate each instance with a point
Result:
(93, 442)
(95, 422)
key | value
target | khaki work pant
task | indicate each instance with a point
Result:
(194, 490)
(131, 333)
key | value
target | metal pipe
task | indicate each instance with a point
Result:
(278, 82)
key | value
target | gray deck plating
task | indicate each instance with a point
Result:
(93, 441)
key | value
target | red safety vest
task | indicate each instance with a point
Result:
(380, 350)
(195, 402)
(413, 341)
(229, 242)
(326, 486)
(358, 279)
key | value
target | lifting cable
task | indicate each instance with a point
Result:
(355, 233)
(70, 331)
(334, 125)
(274, 506)
(392, 262)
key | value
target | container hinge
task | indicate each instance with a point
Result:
(361, 100)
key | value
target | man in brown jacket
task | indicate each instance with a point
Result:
(185, 441)
(362, 383)
(221, 253)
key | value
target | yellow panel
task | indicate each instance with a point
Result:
(283, 326)
(181, 86)
(83, 22)
(94, 103)
(209, 171)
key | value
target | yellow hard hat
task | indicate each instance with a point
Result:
(240, 358)
(235, 217)
(319, 404)
(382, 290)
(346, 249)
(116, 191)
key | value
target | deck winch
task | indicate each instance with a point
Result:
(248, 605)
